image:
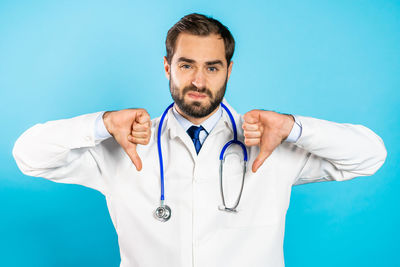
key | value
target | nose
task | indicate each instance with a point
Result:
(199, 79)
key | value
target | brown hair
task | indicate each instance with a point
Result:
(200, 25)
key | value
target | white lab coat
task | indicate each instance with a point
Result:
(198, 234)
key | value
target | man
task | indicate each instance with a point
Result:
(283, 150)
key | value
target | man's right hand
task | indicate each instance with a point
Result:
(129, 127)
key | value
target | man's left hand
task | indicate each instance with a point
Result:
(267, 129)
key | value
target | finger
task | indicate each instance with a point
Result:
(262, 156)
(142, 117)
(145, 134)
(136, 140)
(137, 127)
(252, 141)
(250, 126)
(252, 116)
(145, 123)
(252, 134)
(134, 156)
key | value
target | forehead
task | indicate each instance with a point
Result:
(200, 48)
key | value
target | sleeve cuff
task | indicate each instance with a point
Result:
(295, 133)
(100, 130)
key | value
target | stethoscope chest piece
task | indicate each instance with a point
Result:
(162, 213)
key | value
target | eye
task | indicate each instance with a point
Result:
(185, 66)
(212, 69)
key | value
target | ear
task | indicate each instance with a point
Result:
(230, 69)
(167, 68)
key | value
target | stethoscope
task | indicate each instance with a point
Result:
(163, 212)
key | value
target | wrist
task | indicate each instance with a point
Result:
(287, 126)
(107, 121)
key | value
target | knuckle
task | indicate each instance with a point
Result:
(139, 142)
(143, 142)
(248, 142)
(144, 112)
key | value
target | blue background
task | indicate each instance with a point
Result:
(334, 60)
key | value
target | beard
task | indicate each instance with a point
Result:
(196, 109)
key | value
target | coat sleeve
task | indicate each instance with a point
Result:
(63, 151)
(338, 151)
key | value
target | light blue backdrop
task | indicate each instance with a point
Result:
(334, 60)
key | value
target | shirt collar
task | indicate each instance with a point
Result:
(175, 129)
(208, 124)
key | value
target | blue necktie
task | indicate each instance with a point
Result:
(194, 132)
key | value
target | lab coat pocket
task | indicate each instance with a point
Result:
(259, 204)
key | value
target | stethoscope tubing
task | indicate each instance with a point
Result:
(160, 157)
(221, 157)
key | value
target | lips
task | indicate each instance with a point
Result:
(196, 95)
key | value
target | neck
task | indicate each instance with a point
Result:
(196, 121)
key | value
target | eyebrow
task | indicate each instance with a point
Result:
(208, 63)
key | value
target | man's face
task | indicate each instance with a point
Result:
(198, 74)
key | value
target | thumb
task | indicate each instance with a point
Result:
(134, 156)
(261, 157)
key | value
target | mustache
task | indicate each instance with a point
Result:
(193, 88)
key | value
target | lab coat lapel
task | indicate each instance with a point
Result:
(225, 123)
(176, 131)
